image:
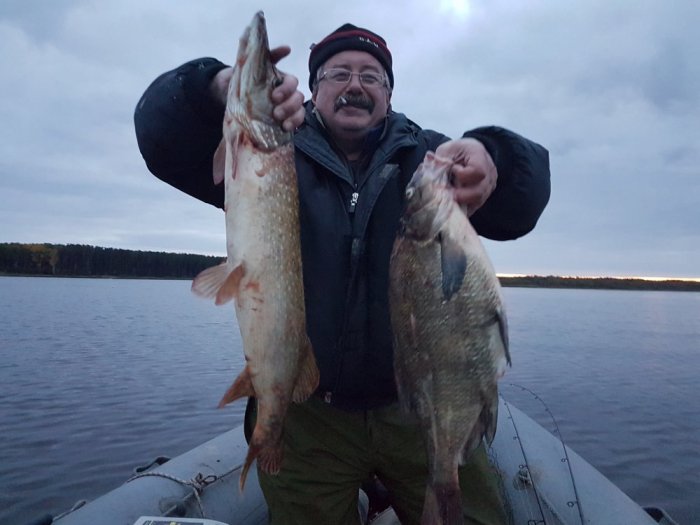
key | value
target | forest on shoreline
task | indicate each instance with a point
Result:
(79, 260)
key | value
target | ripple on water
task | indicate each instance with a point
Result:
(103, 376)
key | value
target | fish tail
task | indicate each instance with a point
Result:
(246, 467)
(307, 380)
(269, 455)
(443, 504)
(270, 459)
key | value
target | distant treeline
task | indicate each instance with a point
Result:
(606, 283)
(78, 260)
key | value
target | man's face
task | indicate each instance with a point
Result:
(367, 105)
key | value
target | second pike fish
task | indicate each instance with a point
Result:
(263, 272)
(450, 334)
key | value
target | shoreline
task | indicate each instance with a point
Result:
(530, 281)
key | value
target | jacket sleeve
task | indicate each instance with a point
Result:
(179, 126)
(523, 186)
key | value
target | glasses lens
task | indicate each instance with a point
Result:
(370, 79)
(338, 75)
(342, 76)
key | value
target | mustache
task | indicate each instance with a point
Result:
(354, 100)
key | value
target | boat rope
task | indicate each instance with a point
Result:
(79, 504)
(198, 483)
(565, 459)
(524, 474)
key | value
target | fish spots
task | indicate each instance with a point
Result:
(262, 226)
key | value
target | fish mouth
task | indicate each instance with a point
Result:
(355, 101)
(254, 54)
(254, 78)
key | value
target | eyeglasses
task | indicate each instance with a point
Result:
(343, 76)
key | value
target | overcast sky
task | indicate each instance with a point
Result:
(611, 88)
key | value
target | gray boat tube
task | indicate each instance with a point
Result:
(200, 483)
(543, 481)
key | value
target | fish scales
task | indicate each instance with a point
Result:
(450, 333)
(263, 272)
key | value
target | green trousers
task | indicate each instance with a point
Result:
(329, 453)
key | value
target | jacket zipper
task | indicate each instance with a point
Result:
(353, 200)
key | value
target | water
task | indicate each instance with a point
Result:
(100, 376)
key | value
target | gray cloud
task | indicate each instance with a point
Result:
(610, 88)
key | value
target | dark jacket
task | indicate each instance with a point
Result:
(348, 219)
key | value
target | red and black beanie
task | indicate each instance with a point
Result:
(349, 37)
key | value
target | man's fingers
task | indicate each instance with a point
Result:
(218, 87)
(289, 110)
(286, 89)
(466, 176)
(295, 120)
(472, 198)
(289, 106)
(279, 53)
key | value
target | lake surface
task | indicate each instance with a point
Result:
(100, 376)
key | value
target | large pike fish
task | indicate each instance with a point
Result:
(263, 268)
(450, 333)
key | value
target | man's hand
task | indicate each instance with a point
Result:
(289, 108)
(474, 174)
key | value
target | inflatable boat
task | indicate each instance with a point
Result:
(543, 481)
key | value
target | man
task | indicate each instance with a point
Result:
(354, 156)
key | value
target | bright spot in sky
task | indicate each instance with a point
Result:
(459, 8)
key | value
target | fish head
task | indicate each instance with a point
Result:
(429, 198)
(249, 105)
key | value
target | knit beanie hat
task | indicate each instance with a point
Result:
(349, 37)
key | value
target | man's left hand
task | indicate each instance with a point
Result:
(474, 174)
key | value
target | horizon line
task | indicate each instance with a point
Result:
(499, 274)
(621, 277)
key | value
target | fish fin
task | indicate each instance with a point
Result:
(443, 504)
(503, 330)
(454, 265)
(270, 459)
(219, 282)
(219, 163)
(229, 288)
(484, 428)
(269, 454)
(241, 387)
(472, 443)
(489, 417)
(308, 378)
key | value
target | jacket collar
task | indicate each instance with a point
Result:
(312, 138)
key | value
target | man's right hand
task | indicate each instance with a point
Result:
(289, 108)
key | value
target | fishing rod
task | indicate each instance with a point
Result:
(525, 474)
